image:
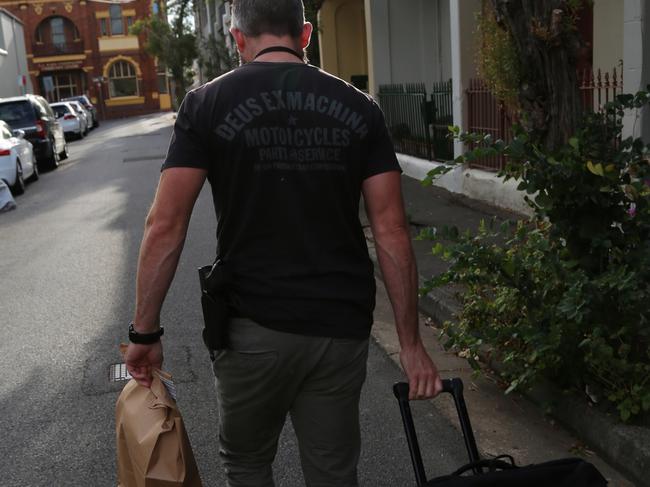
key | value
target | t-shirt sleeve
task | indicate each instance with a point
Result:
(187, 147)
(381, 153)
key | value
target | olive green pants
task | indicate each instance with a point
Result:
(266, 374)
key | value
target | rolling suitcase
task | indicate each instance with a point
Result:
(496, 472)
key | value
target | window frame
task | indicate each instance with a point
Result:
(116, 20)
(133, 74)
(103, 27)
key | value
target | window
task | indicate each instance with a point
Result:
(162, 83)
(129, 22)
(57, 31)
(59, 86)
(122, 80)
(60, 110)
(103, 27)
(5, 133)
(117, 26)
(17, 113)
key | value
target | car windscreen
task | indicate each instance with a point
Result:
(79, 99)
(60, 110)
(17, 114)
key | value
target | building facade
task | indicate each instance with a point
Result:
(217, 49)
(14, 73)
(422, 54)
(79, 47)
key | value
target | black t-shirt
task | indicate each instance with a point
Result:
(287, 147)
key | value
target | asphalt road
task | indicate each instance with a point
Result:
(67, 270)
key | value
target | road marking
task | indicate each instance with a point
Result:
(144, 158)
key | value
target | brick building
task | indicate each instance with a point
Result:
(84, 47)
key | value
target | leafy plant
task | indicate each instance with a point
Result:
(215, 57)
(567, 296)
(174, 45)
(497, 60)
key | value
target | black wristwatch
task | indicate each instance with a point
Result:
(144, 338)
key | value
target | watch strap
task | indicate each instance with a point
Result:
(144, 338)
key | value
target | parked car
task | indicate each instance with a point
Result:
(83, 99)
(17, 163)
(74, 124)
(33, 115)
(81, 110)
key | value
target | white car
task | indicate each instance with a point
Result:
(17, 163)
(72, 122)
(82, 111)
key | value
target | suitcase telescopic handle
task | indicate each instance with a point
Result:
(450, 386)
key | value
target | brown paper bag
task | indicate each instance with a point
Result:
(153, 449)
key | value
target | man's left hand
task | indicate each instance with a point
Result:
(141, 360)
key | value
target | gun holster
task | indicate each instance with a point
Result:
(215, 281)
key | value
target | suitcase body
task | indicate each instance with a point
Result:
(569, 472)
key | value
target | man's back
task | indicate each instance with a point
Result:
(287, 147)
(288, 151)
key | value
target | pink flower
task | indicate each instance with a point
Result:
(632, 210)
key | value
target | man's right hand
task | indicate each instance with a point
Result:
(423, 377)
(141, 360)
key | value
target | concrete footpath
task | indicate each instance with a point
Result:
(504, 424)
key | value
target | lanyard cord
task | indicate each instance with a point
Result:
(279, 49)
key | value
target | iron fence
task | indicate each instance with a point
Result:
(442, 118)
(598, 88)
(418, 125)
(486, 115)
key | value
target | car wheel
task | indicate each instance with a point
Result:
(52, 162)
(64, 154)
(35, 175)
(19, 185)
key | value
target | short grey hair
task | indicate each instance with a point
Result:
(277, 17)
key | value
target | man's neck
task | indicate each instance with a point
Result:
(266, 41)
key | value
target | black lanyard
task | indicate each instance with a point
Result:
(280, 49)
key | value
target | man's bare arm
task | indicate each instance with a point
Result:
(385, 209)
(163, 240)
(162, 244)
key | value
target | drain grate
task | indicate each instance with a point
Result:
(118, 372)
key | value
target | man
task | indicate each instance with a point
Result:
(288, 150)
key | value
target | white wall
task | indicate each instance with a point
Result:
(410, 41)
(645, 73)
(13, 57)
(608, 34)
(636, 49)
(463, 46)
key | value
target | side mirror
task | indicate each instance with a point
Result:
(19, 133)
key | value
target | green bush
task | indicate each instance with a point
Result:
(567, 297)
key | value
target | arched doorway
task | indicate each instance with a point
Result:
(344, 50)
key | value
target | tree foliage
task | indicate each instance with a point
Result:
(497, 60)
(174, 44)
(215, 58)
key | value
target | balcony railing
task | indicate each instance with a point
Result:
(74, 47)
